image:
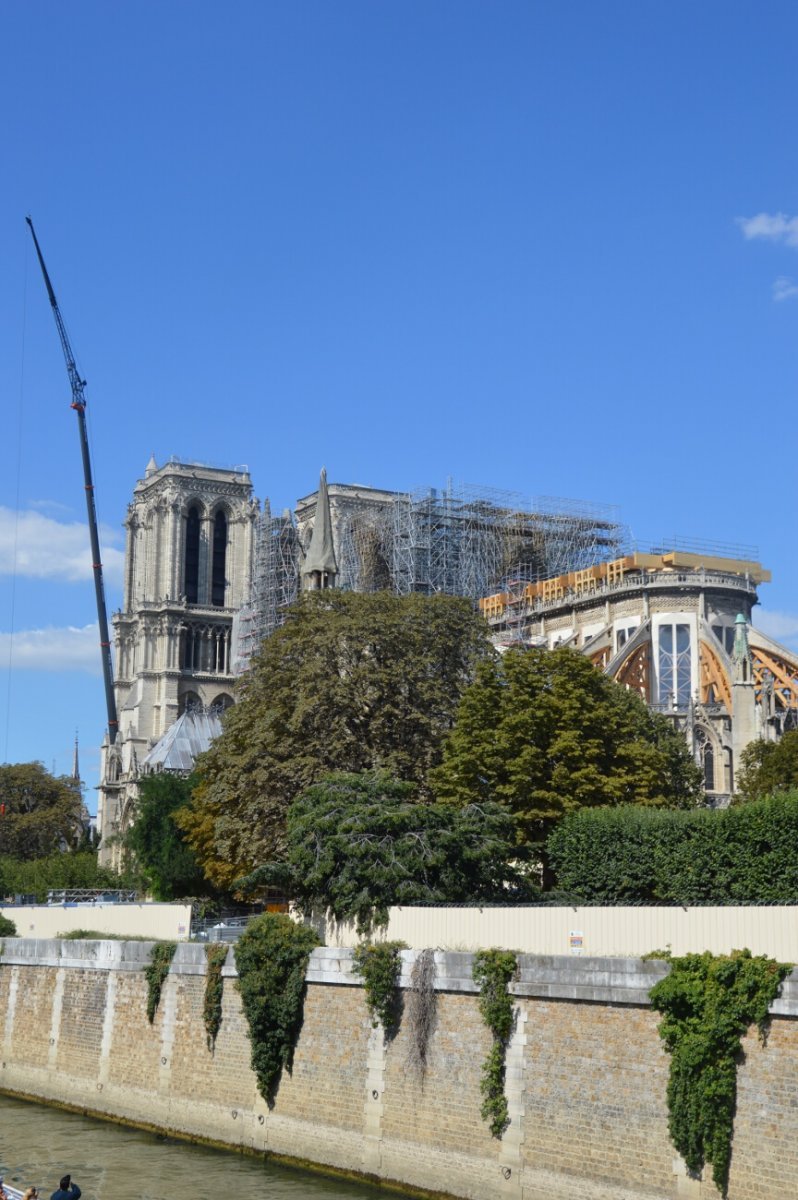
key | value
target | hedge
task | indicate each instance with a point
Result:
(740, 855)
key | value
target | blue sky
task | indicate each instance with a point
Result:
(551, 248)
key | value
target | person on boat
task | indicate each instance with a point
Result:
(67, 1190)
(3, 1192)
(31, 1194)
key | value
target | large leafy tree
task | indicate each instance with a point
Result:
(768, 767)
(168, 865)
(351, 682)
(544, 733)
(357, 844)
(39, 812)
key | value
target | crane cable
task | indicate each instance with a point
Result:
(17, 495)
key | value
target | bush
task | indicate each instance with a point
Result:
(708, 1003)
(741, 855)
(37, 876)
(272, 958)
(379, 964)
(7, 927)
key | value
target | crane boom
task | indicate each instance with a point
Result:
(79, 404)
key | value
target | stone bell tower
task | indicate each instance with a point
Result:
(188, 569)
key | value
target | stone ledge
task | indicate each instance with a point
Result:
(547, 977)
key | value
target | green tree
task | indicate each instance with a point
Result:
(357, 844)
(544, 733)
(37, 876)
(768, 767)
(168, 865)
(39, 812)
(350, 682)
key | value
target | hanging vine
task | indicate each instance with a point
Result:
(379, 965)
(493, 970)
(161, 956)
(272, 960)
(708, 1003)
(421, 1012)
(216, 956)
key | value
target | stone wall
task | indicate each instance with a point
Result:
(586, 1074)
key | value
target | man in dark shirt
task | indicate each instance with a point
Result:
(66, 1190)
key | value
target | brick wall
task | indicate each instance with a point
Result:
(586, 1074)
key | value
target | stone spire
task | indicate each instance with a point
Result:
(320, 568)
(75, 763)
(151, 467)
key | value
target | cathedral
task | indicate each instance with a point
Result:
(209, 573)
(188, 570)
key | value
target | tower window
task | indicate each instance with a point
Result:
(192, 555)
(219, 557)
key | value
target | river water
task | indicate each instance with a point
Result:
(109, 1162)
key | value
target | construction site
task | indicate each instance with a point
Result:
(461, 540)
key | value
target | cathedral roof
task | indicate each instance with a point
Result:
(189, 736)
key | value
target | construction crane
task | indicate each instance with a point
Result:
(79, 404)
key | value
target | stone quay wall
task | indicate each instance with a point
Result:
(586, 1074)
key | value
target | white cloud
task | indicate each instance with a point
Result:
(775, 227)
(784, 288)
(50, 549)
(779, 625)
(66, 649)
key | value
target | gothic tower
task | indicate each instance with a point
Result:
(188, 569)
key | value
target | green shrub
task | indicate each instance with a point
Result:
(37, 876)
(161, 957)
(216, 955)
(7, 927)
(739, 855)
(379, 965)
(708, 1003)
(272, 958)
(492, 972)
(94, 935)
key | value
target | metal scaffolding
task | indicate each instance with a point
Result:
(462, 540)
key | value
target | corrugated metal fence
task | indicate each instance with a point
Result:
(632, 931)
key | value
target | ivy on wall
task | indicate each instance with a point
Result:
(161, 957)
(422, 1011)
(708, 1002)
(379, 965)
(493, 971)
(216, 955)
(272, 959)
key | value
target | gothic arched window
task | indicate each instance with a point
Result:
(219, 559)
(191, 562)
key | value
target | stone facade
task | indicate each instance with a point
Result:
(586, 1074)
(677, 629)
(188, 570)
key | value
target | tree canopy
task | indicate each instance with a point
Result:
(544, 733)
(357, 844)
(351, 682)
(37, 876)
(39, 812)
(768, 767)
(168, 866)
